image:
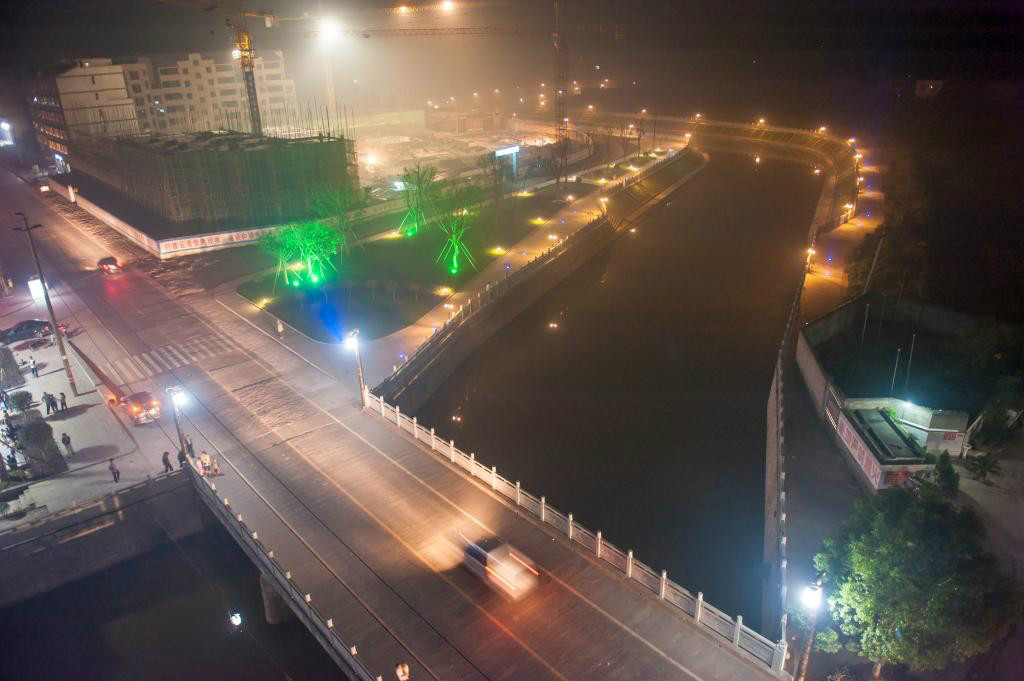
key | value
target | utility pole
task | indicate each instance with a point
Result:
(49, 306)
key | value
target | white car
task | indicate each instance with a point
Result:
(503, 567)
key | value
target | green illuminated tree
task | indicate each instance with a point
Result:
(420, 188)
(455, 214)
(304, 251)
(339, 207)
(910, 582)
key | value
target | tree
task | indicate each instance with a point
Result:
(947, 480)
(21, 400)
(454, 217)
(910, 582)
(981, 467)
(555, 159)
(419, 189)
(495, 173)
(338, 206)
(303, 250)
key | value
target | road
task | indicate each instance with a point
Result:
(358, 509)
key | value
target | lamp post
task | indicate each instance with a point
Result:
(352, 343)
(811, 598)
(49, 306)
(178, 399)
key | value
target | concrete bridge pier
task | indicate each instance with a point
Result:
(275, 609)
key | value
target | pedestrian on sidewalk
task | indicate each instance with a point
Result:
(188, 446)
(114, 471)
(204, 462)
(3, 398)
(49, 405)
(33, 367)
(402, 671)
(167, 462)
(181, 459)
(66, 439)
(63, 402)
(216, 468)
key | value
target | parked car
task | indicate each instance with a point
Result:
(141, 407)
(110, 265)
(500, 566)
(30, 328)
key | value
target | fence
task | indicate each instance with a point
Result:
(708, 618)
(322, 627)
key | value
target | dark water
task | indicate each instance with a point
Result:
(161, 616)
(643, 411)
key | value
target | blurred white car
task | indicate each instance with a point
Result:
(503, 567)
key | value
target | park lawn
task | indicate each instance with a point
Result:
(387, 284)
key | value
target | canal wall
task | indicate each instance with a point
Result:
(413, 383)
(839, 190)
(88, 538)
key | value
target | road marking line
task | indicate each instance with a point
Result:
(177, 354)
(166, 358)
(150, 363)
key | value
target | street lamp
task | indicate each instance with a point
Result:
(811, 600)
(179, 398)
(49, 306)
(352, 343)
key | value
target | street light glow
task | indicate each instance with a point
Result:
(447, 6)
(811, 597)
(329, 28)
(352, 340)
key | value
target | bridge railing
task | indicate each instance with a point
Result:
(708, 618)
(344, 653)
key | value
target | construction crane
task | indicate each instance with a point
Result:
(236, 15)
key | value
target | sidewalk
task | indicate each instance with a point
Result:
(97, 434)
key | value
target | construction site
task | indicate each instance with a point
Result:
(212, 180)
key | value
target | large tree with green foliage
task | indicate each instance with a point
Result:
(909, 582)
(420, 187)
(303, 251)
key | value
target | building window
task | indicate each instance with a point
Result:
(173, 95)
(169, 70)
(188, 83)
(195, 62)
(93, 79)
(133, 75)
(188, 95)
(274, 76)
(209, 70)
(225, 93)
(222, 81)
(171, 83)
(185, 71)
(224, 68)
(136, 88)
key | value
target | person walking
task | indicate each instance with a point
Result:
(53, 403)
(167, 462)
(114, 471)
(49, 405)
(181, 459)
(204, 462)
(188, 446)
(63, 402)
(402, 671)
(66, 440)
(3, 398)
(33, 367)
(216, 468)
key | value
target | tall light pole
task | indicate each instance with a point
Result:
(178, 399)
(352, 343)
(811, 598)
(49, 306)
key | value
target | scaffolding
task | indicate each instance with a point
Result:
(219, 179)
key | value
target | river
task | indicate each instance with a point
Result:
(634, 394)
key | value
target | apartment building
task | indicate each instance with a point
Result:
(206, 92)
(155, 95)
(84, 96)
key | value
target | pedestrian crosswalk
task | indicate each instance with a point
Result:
(167, 357)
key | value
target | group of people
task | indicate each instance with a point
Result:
(52, 405)
(206, 465)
